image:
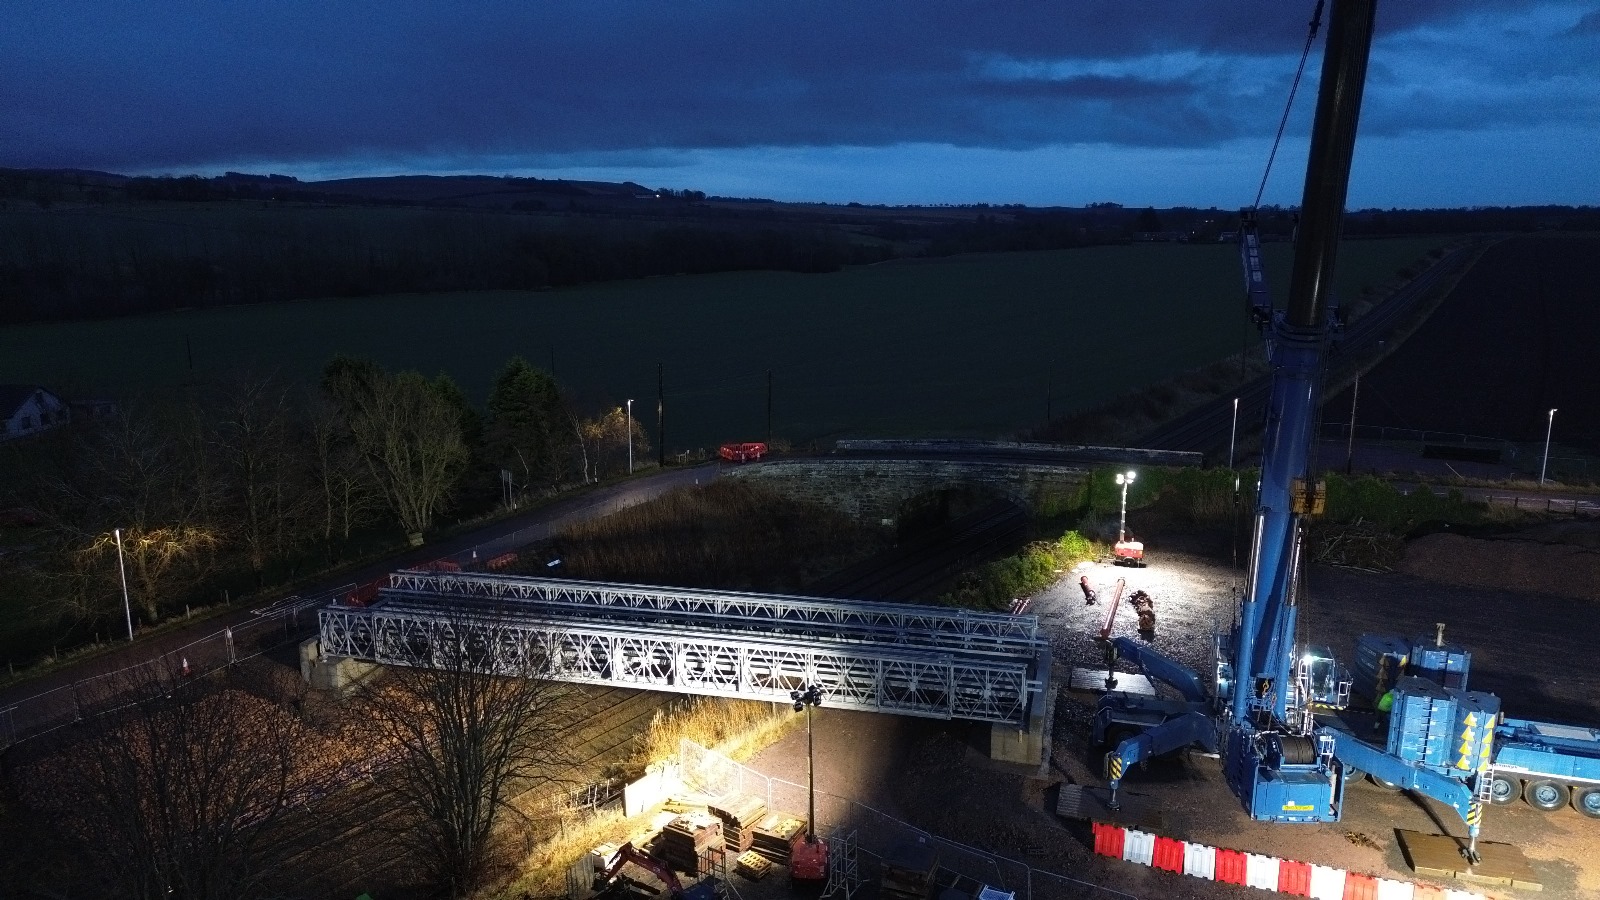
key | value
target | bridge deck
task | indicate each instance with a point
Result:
(910, 660)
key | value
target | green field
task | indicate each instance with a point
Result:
(959, 346)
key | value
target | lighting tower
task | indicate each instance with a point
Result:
(1124, 479)
(808, 859)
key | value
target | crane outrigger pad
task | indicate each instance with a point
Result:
(1094, 681)
(1440, 855)
(1088, 804)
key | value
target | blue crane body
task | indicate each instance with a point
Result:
(1546, 764)
(1280, 761)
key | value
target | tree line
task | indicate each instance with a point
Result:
(97, 261)
(244, 784)
(92, 246)
(256, 481)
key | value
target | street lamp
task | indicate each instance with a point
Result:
(1124, 479)
(122, 571)
(1549, 427)
(630, 437)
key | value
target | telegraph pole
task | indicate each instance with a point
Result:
(769, 407)
(661, 418)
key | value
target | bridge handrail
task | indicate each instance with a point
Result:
(777, 607)
(395, 599)
(645, 631)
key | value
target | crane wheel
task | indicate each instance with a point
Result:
(1504, 789)
(1386, 785)
(1586, 800)
(1546, 795)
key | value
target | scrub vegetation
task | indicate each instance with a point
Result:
(221, 491)
(729, 534)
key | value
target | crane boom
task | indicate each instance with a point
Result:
(1282, 763)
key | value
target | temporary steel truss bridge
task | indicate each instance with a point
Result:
(882, 657)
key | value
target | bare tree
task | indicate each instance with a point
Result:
(264, 488)
(174, 797)
(409, 432)
(141, 473)
(608, 435)
(474, 724)
(346, 495)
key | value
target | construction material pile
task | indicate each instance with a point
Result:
(908, 871)
(739, 817)
(774, 834)
(691, 843)
(753, 865)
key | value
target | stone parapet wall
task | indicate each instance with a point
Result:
(874, 490)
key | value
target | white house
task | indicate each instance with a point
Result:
(29, 409)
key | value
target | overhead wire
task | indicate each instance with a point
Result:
(1311, 36)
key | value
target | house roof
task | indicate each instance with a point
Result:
(12, 396)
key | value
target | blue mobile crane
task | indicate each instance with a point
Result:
(1259, 710)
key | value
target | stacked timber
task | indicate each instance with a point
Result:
(908, 871)
(739, 817)
(691, 843)
(774, 833)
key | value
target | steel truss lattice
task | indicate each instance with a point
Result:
(876, 621)
(860, 662)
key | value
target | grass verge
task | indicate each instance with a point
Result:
(736, 728)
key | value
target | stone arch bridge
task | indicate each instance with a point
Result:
(880, 481)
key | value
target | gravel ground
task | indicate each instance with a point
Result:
(1525, 648)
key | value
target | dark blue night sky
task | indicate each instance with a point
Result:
(1044, 103)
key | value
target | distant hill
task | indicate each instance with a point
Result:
(86, 244)
(473, 190)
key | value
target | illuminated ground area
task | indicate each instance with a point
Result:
(937, 776)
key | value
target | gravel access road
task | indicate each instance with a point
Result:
(1534, 649)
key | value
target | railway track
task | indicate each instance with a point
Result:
(910, 571)
(1206, 428)
(355, 838)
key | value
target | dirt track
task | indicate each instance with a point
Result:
(1534, 650)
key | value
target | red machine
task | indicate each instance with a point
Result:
(808, 858)
(746, 452)
(1128, 553)
(627, 853)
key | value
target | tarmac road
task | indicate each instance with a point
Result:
(36, 704)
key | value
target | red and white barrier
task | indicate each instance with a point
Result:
(1267, 873)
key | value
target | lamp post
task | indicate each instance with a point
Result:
(630, 437)
(1124, 479)
(805, 700)
(1234, 432)
(1548, 428)
(122, 571)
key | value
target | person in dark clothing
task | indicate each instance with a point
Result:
(1088, 592)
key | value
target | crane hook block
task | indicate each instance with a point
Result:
(1310, 497)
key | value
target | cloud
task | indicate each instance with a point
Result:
(193, 85)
